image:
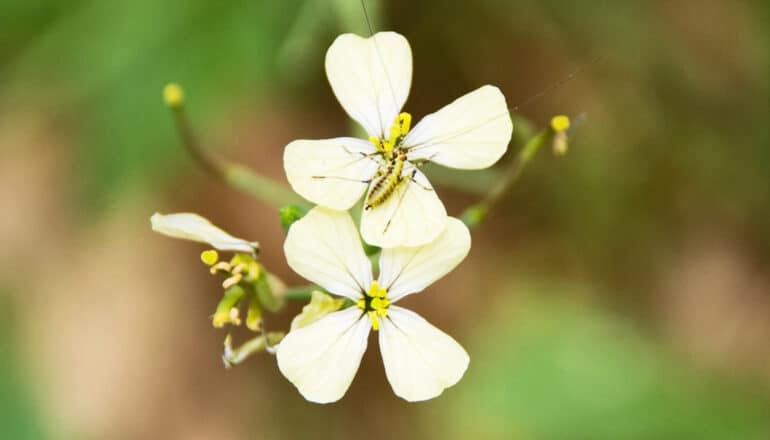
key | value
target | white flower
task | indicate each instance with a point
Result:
(371, 79)
(193, 227)
(322, 358)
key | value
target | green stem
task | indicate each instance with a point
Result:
(301, 293)
(475, 214)
(233, 175)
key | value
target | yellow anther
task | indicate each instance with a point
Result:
(209, 257)
(376, 303)
(376, 292)
(233, 280)
(560, 123)
(405, 121)
(361, 304)
(173, 96)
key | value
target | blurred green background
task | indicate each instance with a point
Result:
(619, 292)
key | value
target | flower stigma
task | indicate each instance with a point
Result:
(398, 131)
(375, 304)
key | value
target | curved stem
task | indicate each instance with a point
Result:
(475, 214)
(233, 175)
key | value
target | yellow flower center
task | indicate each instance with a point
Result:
(398, 131)
(375, 304)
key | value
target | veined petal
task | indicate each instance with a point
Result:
(420, 360)
(322, 358)
(411, 216)
(371, 78)
(193, 227)
(406, 270)
(472, 132)
(324, 247)
(330, 172)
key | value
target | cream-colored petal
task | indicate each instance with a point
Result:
(332, 172)
(420, 360)
(324, 247)
(322, 358)
(193, 227)
(472, 132)
(406, 270)
(411, 216)
(371, 78)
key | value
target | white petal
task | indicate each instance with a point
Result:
(193, 227)
(322, 358)
(330, 172)
(472, 132)
(371, 78)
(412, 216)
(324, 247)
(420, 360)
(405, 270)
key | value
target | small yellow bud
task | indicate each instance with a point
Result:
(209, 257)
(560, 123)
(173, 96)
(220, 319)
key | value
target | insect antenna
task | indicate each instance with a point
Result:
(382, 62)
(554, 86)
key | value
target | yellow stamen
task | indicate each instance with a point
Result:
(222, 265)
(405, 121)
(209, 257)
(239, 268)
(375, 320)
(375, 304)
(560, 123)
(233, 280)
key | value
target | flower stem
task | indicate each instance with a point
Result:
(233, 175)
(475, 214)
(301, 293)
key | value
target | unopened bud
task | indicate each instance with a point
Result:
(173, 96)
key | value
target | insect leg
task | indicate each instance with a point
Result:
(411, 178)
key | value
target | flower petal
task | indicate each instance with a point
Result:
(330, 172)
(411, 216)
(420, 360)
(405, 270)
(322, 358)
(188, 226)
(472, 132)
(323, 246)
(371, 78)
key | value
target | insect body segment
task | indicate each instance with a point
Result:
(387, 184)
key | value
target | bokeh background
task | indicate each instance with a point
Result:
(619, 292)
